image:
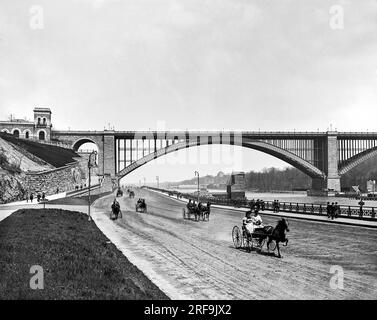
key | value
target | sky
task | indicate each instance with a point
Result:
(192, 64)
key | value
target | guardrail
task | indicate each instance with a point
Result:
(353, 212)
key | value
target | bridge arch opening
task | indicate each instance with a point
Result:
(84, 144)
(234, 162)
(16, 133)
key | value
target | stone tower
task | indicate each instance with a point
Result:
(42, 123)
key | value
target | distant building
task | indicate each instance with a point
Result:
(236, 185)
(39, 129)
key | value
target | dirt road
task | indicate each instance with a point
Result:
(197, 260)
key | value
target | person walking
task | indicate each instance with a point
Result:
(361, 204)
(31, 197)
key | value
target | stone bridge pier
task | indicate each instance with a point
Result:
(105, 142)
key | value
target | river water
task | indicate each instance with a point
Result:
(296, 197)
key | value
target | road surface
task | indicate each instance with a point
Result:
(197, 260)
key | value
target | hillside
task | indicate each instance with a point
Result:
(18, 156)
(53, 155)
(22, 158)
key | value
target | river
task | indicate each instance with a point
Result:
(299, 196)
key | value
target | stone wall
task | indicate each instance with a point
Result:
(65, 178)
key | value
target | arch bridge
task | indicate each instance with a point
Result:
(324, 156)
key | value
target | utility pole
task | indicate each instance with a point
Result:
(197, 174)
(90, 165)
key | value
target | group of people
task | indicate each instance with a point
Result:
(332, 210)
(39, 197)
(200, 207)
(257, 205)
(276, 206)
(77, 187)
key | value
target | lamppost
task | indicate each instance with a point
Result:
(90, 165)
(197, 174)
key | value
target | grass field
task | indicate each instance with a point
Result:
(78, 261)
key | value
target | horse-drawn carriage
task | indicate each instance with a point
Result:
(140, 205)
(119, 192)
(115, 212)
(269, 234)
(200, 212)
(131, 194)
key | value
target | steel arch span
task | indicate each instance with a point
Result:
(265, 147)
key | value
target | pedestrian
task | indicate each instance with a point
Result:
(361, 204)
(31, 197)
(43, 196)
(328, 208)
(27, 197)
(332, 210)
(337, 210)
(57, 190)
(38, 197)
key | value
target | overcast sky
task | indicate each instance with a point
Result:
(196, 64)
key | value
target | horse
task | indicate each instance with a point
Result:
(278, 234)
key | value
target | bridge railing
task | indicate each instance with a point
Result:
(354, 212)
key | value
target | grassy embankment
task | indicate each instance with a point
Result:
(78, 261)
(54, 155)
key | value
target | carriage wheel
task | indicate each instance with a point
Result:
(262, 244)
(272, 246)
(237, 237)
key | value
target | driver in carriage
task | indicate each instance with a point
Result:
(250, 224)
(115, 208)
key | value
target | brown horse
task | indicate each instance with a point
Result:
(278, 235)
